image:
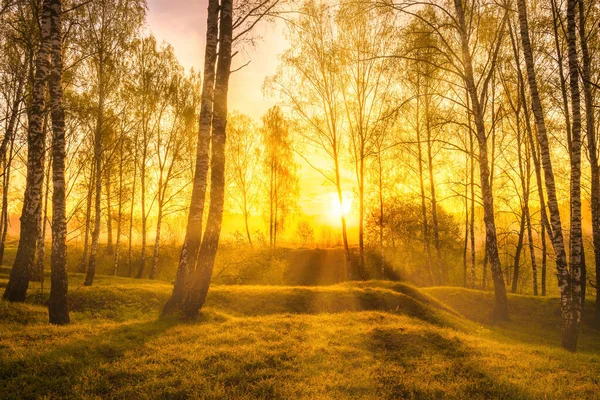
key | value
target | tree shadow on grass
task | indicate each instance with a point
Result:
(313, 301)
(55, 373)
(426, 365)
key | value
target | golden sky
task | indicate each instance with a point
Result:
(182, 23)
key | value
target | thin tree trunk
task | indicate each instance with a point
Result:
(246, 217)
(271, 203)
(144, 215)
(472, 223)
(161, 202)
(381, 210)
(8, 145)
(88, 215)
(525, 195)
(501, 304)
(38, 270)
(154, 268)
(424, 218)
(569, 330)
(486, 261)
(361, 217)
(465, 249)
(590, 124)
(526, 209)
(91, 270)
(472, 184)
(338, 184)
(544, 259)
(561, 72)
(119, 209)
(275, 212)
(131, 210)
(441, 268)
(544, 221)
(14, 116)
(18, 282)
(7, 164)
(109, 216)
(577, 262)
(57, 305)
(518, 250)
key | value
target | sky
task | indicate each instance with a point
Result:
(182, 23)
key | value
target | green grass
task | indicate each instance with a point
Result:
(356, 340)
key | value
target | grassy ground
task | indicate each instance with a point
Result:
(357, 340)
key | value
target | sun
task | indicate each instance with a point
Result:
(338, 210)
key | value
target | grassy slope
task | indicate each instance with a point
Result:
(363, 340)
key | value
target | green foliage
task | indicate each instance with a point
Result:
(305, 232)
(404, 240)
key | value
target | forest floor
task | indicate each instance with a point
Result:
(357, 340)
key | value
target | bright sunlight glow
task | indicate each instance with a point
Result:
(337, 209)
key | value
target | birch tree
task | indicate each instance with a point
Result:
(18, 282)
(57, 305)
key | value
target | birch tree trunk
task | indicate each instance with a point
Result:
(155, 252)
(424, 218)
(193, 234)
(577, 261)
(518, 251)
(561, 73)
(162, 187)
(440, 267)
(381, 208)
(57, 305)
(109, 216)
(7, 167)
(18, 282)
(590, 127)
(91, 270)
(144, 214)
(131, 210)
(88, 216)
(544, 221)
(37, 273)
(196, 295)
(119, 210)
(568, 329)
(472, 213)
(466, 246)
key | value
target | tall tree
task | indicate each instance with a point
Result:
(18, 283)
(57, 305)
(193, 234)
(242, 169)
(200, 283)
(106, 39)
(501, 305)
(309, 82)
(592, 140)
(367, 96)
(576, 257)
(569, 329)
(280, 170)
